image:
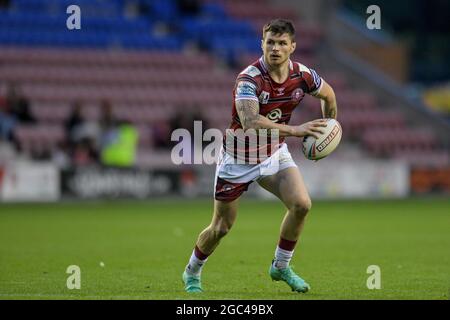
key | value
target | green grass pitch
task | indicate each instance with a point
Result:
(137, 250)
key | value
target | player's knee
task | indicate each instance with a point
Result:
(301, 207)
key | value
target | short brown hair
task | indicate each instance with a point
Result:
(280, 26)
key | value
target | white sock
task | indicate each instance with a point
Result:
(195, 265)
(282, 258)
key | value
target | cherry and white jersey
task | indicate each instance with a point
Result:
(276, 102)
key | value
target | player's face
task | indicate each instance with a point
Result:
(277, 48)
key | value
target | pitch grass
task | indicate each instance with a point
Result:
(144, 247)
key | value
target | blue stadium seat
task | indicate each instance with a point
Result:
(103, 25)
(163, 10)
(213, 10)
(88, 7)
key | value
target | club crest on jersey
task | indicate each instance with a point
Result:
(280, 91)
(264, 97)
(274, 115)
(297, 94)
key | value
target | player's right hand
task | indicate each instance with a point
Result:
(310, 128)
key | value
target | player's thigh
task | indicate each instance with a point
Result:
(225, 213)
(289, 187)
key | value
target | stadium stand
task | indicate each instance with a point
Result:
(121, 54)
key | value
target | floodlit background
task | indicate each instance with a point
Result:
(87, 114)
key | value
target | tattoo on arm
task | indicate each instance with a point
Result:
(248, 111)
(329, 110)
(328, 101)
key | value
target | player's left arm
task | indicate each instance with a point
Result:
(327, 100)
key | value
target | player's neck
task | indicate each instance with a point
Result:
(278, 73)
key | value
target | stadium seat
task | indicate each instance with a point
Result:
(148, 77)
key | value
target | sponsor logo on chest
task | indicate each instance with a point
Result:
(280, 91)
(275, 115)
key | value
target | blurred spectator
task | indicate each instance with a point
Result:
(120, 151)
(19, 105)
(108, 141)
(182, 119)
(40, 152)
(60, 155)
(14, 109)
(74, 122)
(438, 98)
(189, 7)
(84, 152)
(7, 120)
(107, 124)
(117, 140)
(81, 138)
(161, 133)
(107, 119)
(5, 4)
(185, 118)
(142, 8)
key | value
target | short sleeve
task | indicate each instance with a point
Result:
(315, 84)
(245, 90)
(313, 81)
(247, 84)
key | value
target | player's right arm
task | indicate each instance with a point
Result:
(247, 107)
(248, 111)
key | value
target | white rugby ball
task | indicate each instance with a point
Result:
(315, 149)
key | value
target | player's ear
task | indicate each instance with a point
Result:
(293, 46)
(262, 45)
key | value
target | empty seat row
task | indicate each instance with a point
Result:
(129, 95)
(123, 76)
(96, 8)
(430, 158)
(100, 57)
(254, 10)
(81, 39)
(356, 122)
(26, 21)
(384, 141)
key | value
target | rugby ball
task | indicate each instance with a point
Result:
(315, 149)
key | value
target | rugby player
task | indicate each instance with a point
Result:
(265, 95)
